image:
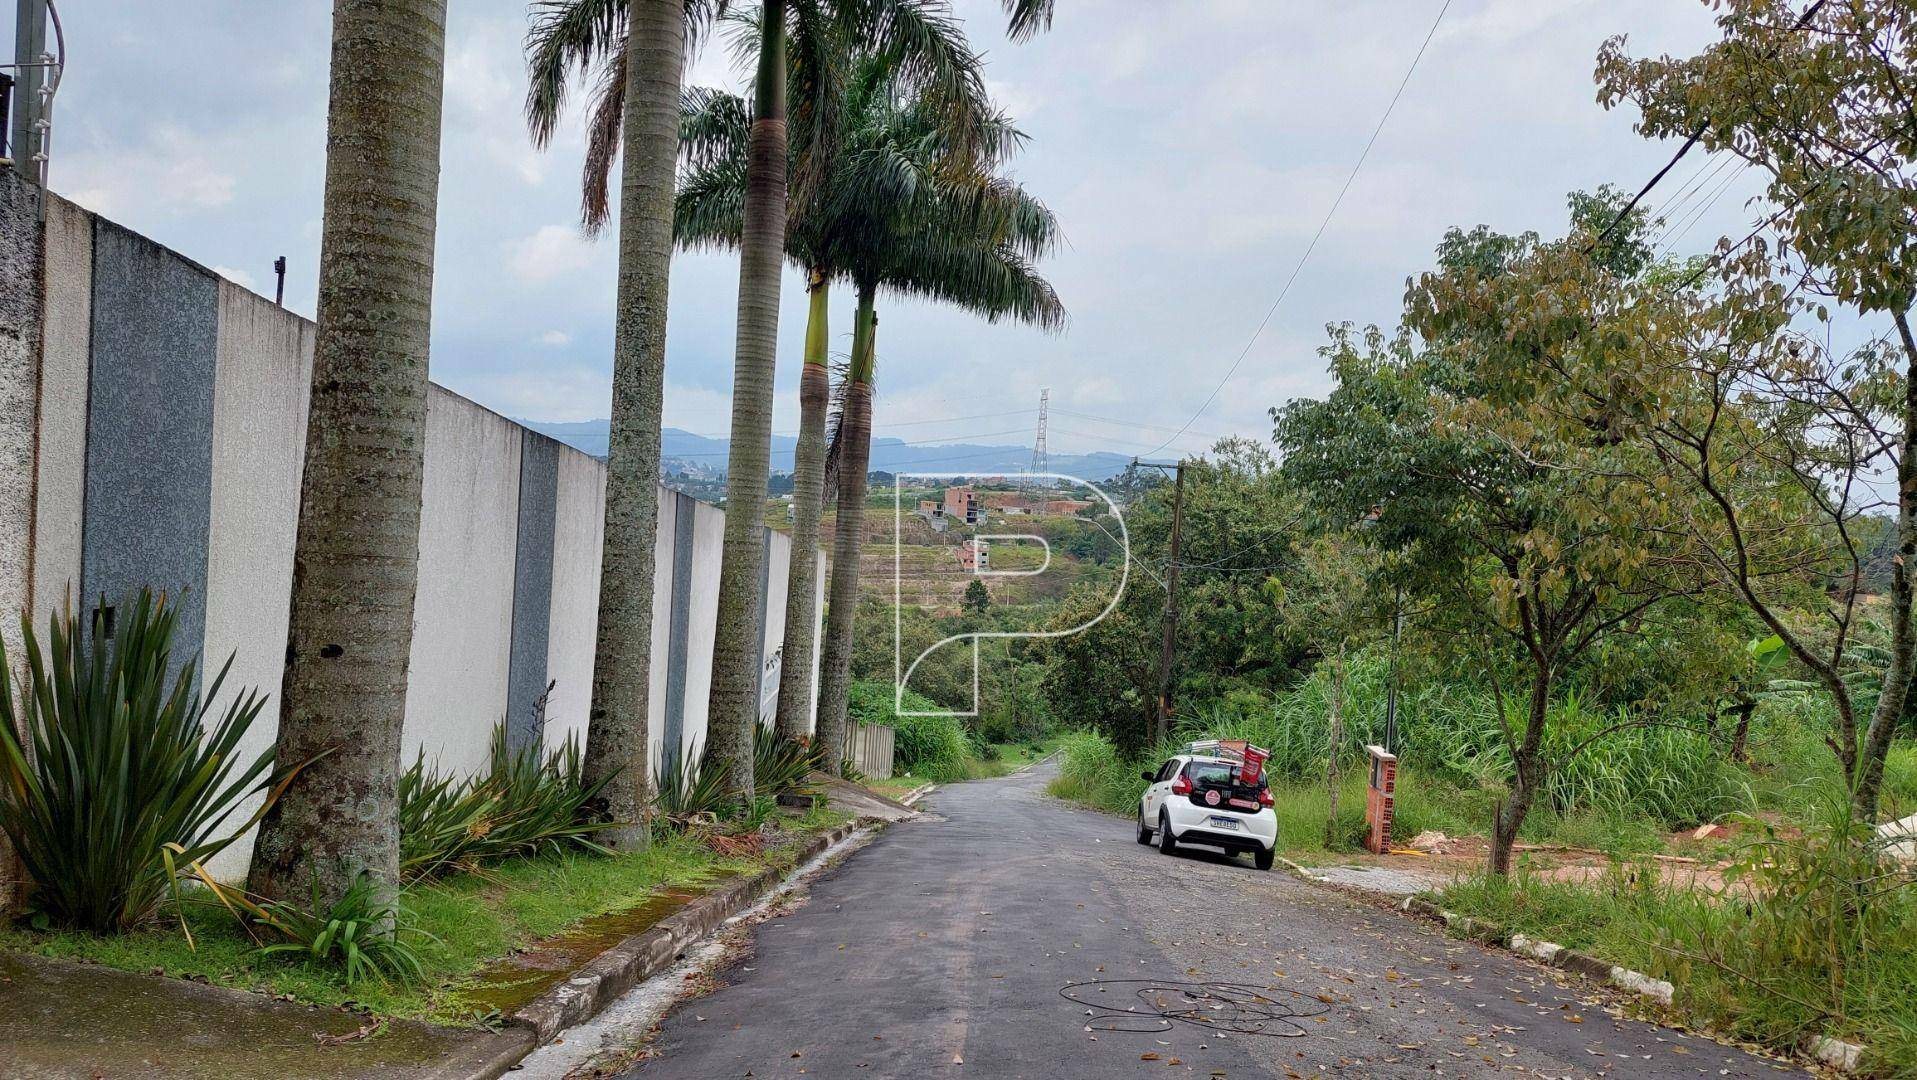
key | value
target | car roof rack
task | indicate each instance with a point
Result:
(1229, 749)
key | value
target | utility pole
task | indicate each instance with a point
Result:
(29, 74)
(1169, 644)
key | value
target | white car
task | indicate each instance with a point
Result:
(1196, 799)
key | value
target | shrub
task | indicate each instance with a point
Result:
(526, 803)
(128, 781)
(1446, 733)
(934, 747)
(361, 934)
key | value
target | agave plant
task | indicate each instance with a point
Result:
(782, 766)
(361, 934)
(693, 789)
(128, 779)
(527, 803)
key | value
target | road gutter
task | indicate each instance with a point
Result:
(604, 979)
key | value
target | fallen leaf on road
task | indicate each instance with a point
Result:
(1149, 1055)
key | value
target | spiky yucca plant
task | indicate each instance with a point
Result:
(127, 781)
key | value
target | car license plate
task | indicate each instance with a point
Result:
(1224, 822)
(1244, 804)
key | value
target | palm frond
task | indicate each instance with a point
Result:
(1027, 18)
(565, 36)
(602, 143)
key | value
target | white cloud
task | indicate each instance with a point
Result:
(552, 251)
(555, 339)
(238, 277)
(169, 173)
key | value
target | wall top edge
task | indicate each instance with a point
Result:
(96, 220)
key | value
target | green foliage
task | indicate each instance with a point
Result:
(781, 766)
(1812, 935)
(695, 788)
(526, 803)
(933, 747)
(692, 788)
(977, 597)
(361, 935)
(1092, 772)
(129, 779)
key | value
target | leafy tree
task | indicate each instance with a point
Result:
(1333, 602)
(356, 556)
(1820, 102)
(1106, 676)
(1503, 521)
(977, 598)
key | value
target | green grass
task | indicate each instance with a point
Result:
(472, 918)
(1753, 973)
(1003, 759)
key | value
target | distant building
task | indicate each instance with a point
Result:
(974, 556)
(962, 504)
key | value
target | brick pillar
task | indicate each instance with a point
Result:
(1378, 798)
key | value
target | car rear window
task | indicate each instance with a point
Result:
(1216, 772)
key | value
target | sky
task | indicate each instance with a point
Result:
(1190, 149)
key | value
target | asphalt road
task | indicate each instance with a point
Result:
(942, 947)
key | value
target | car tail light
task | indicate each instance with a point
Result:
(1264, 796)
(1182, 785)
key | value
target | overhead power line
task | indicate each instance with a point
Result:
(1697, 133)
(1322, 225)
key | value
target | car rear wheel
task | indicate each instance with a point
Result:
(1144, 830)
(1165, 842)
(1262, 858)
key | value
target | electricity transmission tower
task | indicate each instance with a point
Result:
(1041, 461)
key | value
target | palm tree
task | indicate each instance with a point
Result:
(638, 49)
(356, 556)
(709, 214)
(906, 214)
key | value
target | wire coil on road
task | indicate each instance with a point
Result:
(1157, 1004)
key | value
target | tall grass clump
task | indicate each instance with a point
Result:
(126, 780)
(1450, 734)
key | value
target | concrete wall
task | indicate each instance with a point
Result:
(169, 412)
(65, 359)
(463, 615)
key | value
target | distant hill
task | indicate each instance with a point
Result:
(686, 452)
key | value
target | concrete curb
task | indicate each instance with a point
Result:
(1301, 871)
(1842, 1056)
(632, 961)
(1545, 952)
(912, 797)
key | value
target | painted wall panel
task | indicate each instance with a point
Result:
(579, 529)
(532, 585)
(20, 314)
(462, 619)
(65, 359)
(708, 545)
(260, 396)
(149, 471)
(772, 625)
